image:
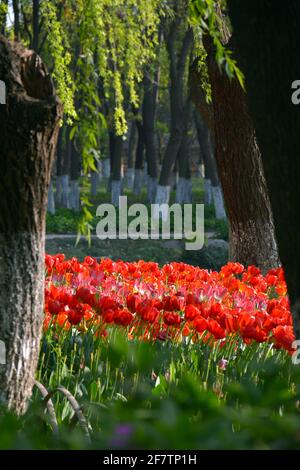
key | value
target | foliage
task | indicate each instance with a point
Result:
(205, 14)
(64, 221)
(201, 56)
(59, 50)
(3, 11)
(161, 396)
(97, 52)
(115, 40)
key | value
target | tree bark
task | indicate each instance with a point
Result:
(29, 129)
(130, 155)
(139, 160)
(178, 101)
(209, 171)
(268, 41)
(51, 200)
(252, 238)
(35, 25)
(16, 9)
(95, 178)
(183, 193)
(75, 158)
(212, 187)
(149, 114)
(62, 197)
(116, 176)
(132, 145)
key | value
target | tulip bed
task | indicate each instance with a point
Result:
(177, 302)
(171, 357)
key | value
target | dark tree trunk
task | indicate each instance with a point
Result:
(35, 25)
(111, 148)
(117, 158)
(149, 114)
(63, 169)
(183, 155)
(95, 178)
(211, 178)
(183, 188)
(111, 142)
(16, 9)
(131, 154)
(268, 40)
(140, 150)
(139, 159)
(132, 145)
(179, 103)
(252, 239)
(29, 128)
(75, 167)
(116, 167)
(198, 96)
(170, 156)
(210, 167)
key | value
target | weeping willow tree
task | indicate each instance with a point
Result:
(82, 43)
(96, 52)
(114, 41)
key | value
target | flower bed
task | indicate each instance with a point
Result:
(177, 301)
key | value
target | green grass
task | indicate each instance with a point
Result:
(161, 396)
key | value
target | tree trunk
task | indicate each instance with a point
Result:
(139, 160)
(74, 175)
(252, 239)
(268, 40)
(51, 200)
(149, 114)
(35, 25)
(62, 198)
(130, 156)
(105, 164)
(212, 188)
(210, 168)
(29, 129)
(116, 169)
(178, 101)
(16, 9)
(218, 201)
(183, 160)
(95, 179)
(189, 187)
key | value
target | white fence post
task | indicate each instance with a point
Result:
(2, 353)
(2, 92)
